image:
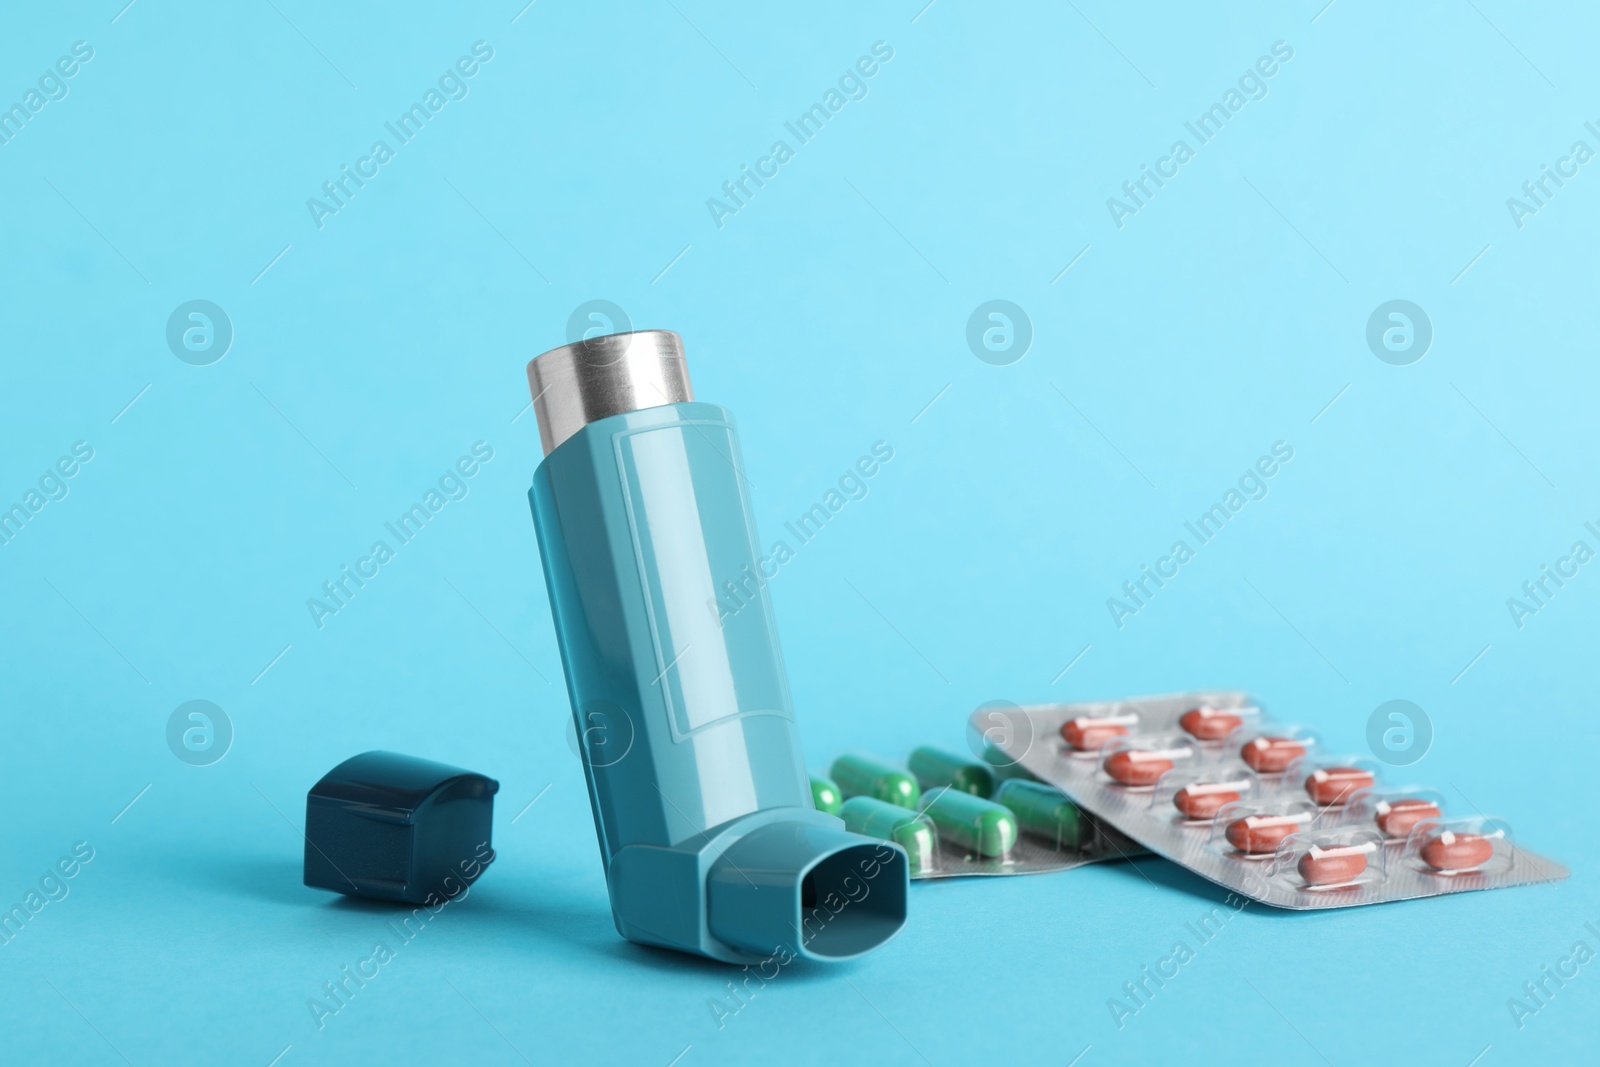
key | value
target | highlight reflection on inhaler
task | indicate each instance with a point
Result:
(695, 772)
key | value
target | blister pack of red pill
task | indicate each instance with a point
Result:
(1212, 782)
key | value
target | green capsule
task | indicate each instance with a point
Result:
(863, 776)
(891, 822)
(824, 795)
(1044, 812)
(934, 767)
(970, 822)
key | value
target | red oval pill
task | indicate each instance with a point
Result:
(1202, 801)
(1395, 818)
(1333, 785)
(1333, 866)
(1089, 734)
(1209, 724)
(1271, 755)
(1450, 851)
(1134, 766)
(1261, 833)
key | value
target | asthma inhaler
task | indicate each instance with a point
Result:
(701, 801)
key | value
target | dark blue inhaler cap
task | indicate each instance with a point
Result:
(392, 827)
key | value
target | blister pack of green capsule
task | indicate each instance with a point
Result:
(960, 816)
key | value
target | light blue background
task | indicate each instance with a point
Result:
(827, 315)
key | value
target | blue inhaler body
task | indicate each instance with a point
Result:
(695, 772)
